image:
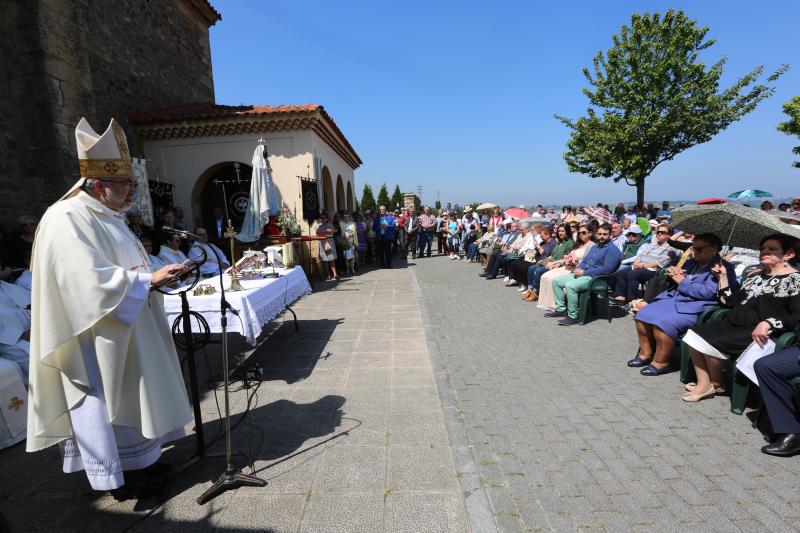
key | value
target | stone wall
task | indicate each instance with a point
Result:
(63, 59)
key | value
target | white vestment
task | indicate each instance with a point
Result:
(170, 256)
(104, 375)
(15, 320)
(211, 266)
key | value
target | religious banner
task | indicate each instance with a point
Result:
(161, 197)
(310, 200)
(141, 195)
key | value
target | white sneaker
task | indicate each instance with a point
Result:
(506, 280)
(512, 283)
(453, 257)
(522, 289)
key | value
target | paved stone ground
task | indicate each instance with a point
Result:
(564, 436)
(354, 437)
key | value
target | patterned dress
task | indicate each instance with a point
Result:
(775, 299)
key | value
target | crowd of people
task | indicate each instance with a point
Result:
(664, 278)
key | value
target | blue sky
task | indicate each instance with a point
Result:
(459, 96)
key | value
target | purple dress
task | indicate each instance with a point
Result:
(675, 311)
(361, 230)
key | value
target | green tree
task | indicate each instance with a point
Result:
(367, 200)
(383, 197)
(437, 205)
(792, 126)
(652, 98)
(417, 204)
(397, 198)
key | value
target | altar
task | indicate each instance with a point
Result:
(261, 300)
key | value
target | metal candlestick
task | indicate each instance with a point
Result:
(236, 285)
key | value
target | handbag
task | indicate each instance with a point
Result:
(327, 246)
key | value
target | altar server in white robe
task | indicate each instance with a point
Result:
(105, 382)
(170, 251)
(15, 325)
(211, 265)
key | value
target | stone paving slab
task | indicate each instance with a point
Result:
(552, 428)
(348, 431)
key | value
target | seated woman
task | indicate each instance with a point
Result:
(558, 268)
(563, 244)
(661, 324)
(472, 251)
(767, 304)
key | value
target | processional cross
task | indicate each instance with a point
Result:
(236, 285)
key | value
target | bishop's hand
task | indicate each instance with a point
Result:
(168, 273)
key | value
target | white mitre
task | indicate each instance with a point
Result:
(101, 156)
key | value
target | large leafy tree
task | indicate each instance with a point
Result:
(367, 200)
(792, 126)
(397, 198)
(651, 98)
(383, 197)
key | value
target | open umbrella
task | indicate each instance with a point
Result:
(485, 206)
(263, 201)
(750, 193)
(710, 201)
(516, 212)
(786, 216)
(736, 224)
(600, 213)
(534, 219)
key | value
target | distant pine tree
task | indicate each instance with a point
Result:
(383, 197)
(367, 200)
(397, 198)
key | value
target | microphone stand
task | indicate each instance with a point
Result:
(231, 478)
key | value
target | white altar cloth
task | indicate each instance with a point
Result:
(260, 302)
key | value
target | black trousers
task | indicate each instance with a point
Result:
(518, 270)
(383, 251)
(496, 260)
(780, 397)
(628, 282)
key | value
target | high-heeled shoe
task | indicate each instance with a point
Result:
(692, 397)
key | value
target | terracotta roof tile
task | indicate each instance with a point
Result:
(205, 110)
(176, 122)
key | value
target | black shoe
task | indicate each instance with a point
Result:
(490, 277)
(651, 370)
(555, 314)
(138, 486)
(568, 321)
(786, 445)
(636, 362)
(483, 274)
(158, 469)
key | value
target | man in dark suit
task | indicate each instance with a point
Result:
(774, 373)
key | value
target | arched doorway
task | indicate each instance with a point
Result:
(208, 193)
(350, 204)
(327, 190)
(340, 202)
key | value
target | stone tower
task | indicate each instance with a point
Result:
(64, 59)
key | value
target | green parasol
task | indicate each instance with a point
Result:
(735, 224)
